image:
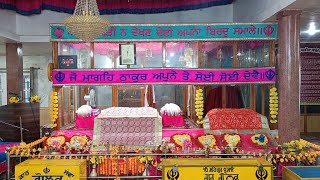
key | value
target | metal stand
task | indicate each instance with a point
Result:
(8, 173)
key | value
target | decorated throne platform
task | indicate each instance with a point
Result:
(128, 126)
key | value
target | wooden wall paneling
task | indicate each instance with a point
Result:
(92, 55)
(200, 54)
(55, 54)
(185, 101)
(75, 101)
(114, 96)
(235, 57)
(30, 118)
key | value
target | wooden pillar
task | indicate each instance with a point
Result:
(14, 65)
(289, 75)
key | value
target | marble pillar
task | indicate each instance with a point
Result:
(289, 75)
(14, 67)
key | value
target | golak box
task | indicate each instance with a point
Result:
(53, 169)
(216, 169)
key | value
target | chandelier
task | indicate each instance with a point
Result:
(86, 22)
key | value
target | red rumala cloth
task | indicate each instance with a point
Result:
(176, 121)
(241, 119)
(85, 122)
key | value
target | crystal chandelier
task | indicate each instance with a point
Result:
(86, 22)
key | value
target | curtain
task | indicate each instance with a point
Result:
(30, 7)
(214, 98)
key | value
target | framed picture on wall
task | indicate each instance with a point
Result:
(127, 54)
(67, 62)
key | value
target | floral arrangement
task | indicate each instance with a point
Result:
(54, 111)
(259, 139)
(14, 99)
(35, 99)
(146, 159)
(78, 144)
(208, 139)
(273, 106)
(199, 105)
(178, 139)
(231, 140)
(295, 146)
(55, 143)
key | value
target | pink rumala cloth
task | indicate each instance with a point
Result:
(176, 121)
(85, 122)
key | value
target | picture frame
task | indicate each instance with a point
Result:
(67, 62)
(127, 54)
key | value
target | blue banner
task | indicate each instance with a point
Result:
(175, 32)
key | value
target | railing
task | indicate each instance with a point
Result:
(123, 171)
(126, 165)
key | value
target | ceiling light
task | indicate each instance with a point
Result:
(312, 29)
(86, 23)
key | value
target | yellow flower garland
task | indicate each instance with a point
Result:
(199, 105)
(14, 99)
(35, 99)
(273, 105)
(54, 111)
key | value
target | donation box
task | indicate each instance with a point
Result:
(217, 169)
(301, 173)
(53, 169)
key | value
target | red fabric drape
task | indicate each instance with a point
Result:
(30, 7)
(214, 98)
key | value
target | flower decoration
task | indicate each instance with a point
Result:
(178, 139)
(146, 159)
(259, 139)
(14, 99)
(273, 106)
(78, 142)
(232, 140)
(55, 142)
(199, 105)
(54, 111)
(94, 159)
(35, 99)
(295, 146)
(208, 139)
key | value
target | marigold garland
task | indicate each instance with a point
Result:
(273, 106)
(35, 99)
(199, 105)
(54, 111)
(14, 99)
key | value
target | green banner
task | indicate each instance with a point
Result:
(175, 32)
